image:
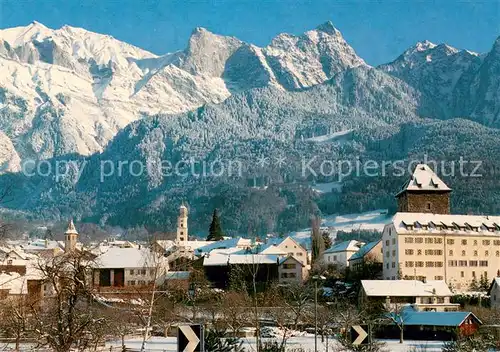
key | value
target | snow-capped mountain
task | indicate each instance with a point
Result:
(70, 90)
(457, 83)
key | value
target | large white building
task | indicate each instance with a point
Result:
(425, 242)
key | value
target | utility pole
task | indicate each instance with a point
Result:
(316, 278)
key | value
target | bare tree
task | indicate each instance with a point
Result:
(66, 318)
(4, 226)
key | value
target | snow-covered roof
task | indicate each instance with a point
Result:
(424, 179)
(71, 230)
(248, 259)
(346, 246)
(272, 249)
(14, 282)
(411, 317)
(224, 244)
(406, 288)
(364, 250)
(116, 257)
(446, 223)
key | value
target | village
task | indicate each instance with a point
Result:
(432, 276)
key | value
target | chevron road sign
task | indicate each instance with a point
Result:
(190, 338)
(358, 335)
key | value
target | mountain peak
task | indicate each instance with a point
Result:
(423, 46)
(328, 28)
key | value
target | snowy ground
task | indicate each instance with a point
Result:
(326, 187)
(340, 136)
(169, 344)
(371, 220)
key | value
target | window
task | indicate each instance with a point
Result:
(462, 274)
(429, 264)
(438, 240)
(9, 262)
(462, 263)
(387, 243)
(464, 242)
(409, 264)
(475, 242)
(483, 263)
(289, 266)
(409, 251)
(450, 241)
(419, 240)
(497, 253)
(132, 272)
(152, 272)
(393, 264)
(419, 264)
(408, 239)
(486, 242)
(463, 253)
(334, 258)
(475, 253)
(450, 252)
(143, 271)
(438, 252)
(486, 253)
(387, 266)
(496, 242)
(393, 252)
(387, 254)
(141, 282)
(439, 278)
(473, 274)
(472, 262)
(428, 240)
(419, 252)
(452, 263)
(132, 282)
(438, 264)
(393, 241)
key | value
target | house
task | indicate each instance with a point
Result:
(369, 253)
(340, 253)
(119, 267)
(290, 270)
(423, 325)
(494, 293)
(423, 296)
(221, 268)
(424, 241)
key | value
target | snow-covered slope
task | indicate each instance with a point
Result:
(70, 90)
(457, 83)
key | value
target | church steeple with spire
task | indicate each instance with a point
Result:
(70, 237)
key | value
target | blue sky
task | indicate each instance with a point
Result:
(378, 30)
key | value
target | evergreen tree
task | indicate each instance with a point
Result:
(215, 230)
(327, 239)
(317, 241)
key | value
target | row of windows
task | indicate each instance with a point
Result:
(440, 252)
(288, 275)
(141, 272)
(139, 282)
(289, 266)
(439, 240)
(419, 264)
(482, 263)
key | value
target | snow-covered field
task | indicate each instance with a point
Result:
(371, 220)
(169, 344)
(340, 136)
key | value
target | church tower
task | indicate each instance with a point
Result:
(70, 237)
(182, 225)
(425, 192)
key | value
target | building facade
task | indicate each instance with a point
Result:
(434, 245)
